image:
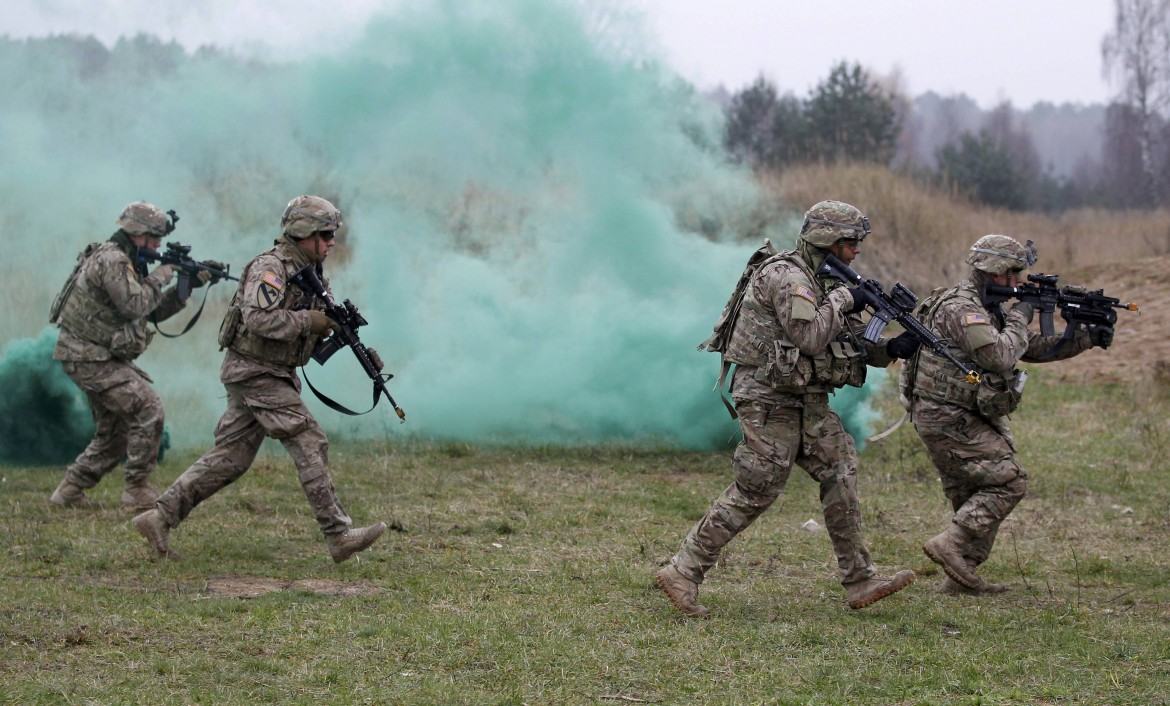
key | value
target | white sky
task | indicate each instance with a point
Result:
(1021, 50)
(1024, 51)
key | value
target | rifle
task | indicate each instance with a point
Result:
(898, 306)
(1078, 305)
(179, 256)
(348, 319)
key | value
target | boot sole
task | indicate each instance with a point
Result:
(675, 603)
(949, 570)
(888, 590)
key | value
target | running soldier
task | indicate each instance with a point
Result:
(271, 328)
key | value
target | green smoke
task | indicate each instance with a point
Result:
(45, 418)
(542, 227)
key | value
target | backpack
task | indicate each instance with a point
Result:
(717, 342)
(63, 295)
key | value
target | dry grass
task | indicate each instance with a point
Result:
(921, 234)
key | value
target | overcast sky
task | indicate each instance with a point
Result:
(1024, 51)
(1021, 50)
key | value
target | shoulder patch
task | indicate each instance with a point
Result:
(804, 292)
(975, 319)
(268, 294)
(271, 278)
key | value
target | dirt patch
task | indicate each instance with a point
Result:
(1141, 343)
(254, 586)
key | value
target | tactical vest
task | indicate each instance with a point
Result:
(86, 311)
(932, 377)
(758, 340)
(234, 333)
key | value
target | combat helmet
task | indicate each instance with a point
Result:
(142, 218)
(829, 221)
(997, 254)
(306, 215)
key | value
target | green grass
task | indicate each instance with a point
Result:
(526, 576)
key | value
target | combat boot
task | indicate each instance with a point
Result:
(682, 592)
(946, 550)
(871, 590)
(951, 587)
(151, 525)
(344, 545)
(139, 497)
(69, 495)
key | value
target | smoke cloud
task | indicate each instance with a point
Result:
(541, 226)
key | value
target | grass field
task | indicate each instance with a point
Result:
(525, 576)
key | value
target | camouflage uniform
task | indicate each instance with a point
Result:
(103, 316)
(793, 342)
(964, 424)
(268, 333)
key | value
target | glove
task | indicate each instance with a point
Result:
(320, 324)
(201, 278)
(375, 359)
(1101, 336)
(903, 346)
(163, 274)
(1026, 309)
(860, 299)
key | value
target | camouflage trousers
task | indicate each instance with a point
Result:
(774, 438)
(128, 415)
(259, 407)
(976, 462)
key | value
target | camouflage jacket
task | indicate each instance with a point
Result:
(266, 328)
(105, 314)
(993, 339)
(793, 335)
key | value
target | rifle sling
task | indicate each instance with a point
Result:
(190, 323)
(337, 406)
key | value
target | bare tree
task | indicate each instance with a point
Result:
(1137, 53)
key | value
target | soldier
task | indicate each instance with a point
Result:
(964, 424)
(271, 327)
(102, 313)
(794, 341)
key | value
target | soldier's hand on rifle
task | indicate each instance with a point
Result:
(163, 274)
(202, 277)
(860, 299)
(1026, 309)
(903, 346)
(320, 324)
(1101, 336)
(375, 359)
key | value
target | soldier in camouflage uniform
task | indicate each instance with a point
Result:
(964, 424)
(271, 327)
(102, 313)
(795, 341)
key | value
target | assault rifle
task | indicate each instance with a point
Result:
(179, 256)
(898, 306)
(348, 320)
(1078, 305)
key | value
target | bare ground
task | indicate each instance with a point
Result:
(1141, 346)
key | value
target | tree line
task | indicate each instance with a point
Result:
(854, 116)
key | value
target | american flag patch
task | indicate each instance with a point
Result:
(272, 279)
(974, 319)
(805, 293)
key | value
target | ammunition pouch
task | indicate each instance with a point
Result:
(131, 340)
(844, 364)
(999, 395)
(786, 368)
(229, 326)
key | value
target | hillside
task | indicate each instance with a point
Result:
(1141, 348)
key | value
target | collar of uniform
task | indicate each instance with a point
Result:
(124, 243)
(289, 247)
